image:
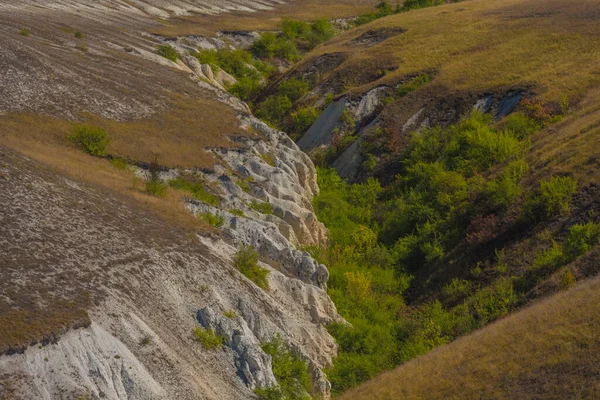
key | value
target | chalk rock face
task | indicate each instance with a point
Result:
(252, 363)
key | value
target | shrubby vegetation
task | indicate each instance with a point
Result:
(216, 220)
(455, 186)
(196, 189)
(290, 371)
(207, 338)
(246, 261)
(90, 138)
(385, 8)
(167, 52)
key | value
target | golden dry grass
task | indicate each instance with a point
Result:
(308, 10)
(178, 137)
(548, 351)
(42, 138)
(572, 146)
(478, 45)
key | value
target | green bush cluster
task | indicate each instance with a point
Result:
(167, 52)
(196, 189)
(291, 372)
(207, 338)
(553, 198)
(90, 138)
(380, 236)
(246, 261)
(303, 119)
(295, 36)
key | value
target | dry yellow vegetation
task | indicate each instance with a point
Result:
(548, 351)
(550, 46)
(307, 10)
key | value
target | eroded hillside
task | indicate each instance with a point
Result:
(132, 270)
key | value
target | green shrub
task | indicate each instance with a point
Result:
(263, 208)
(493, 302)
(197, 190)
(581, 239)
(78, 35)
(246, 88)
(550, 259)
(293, 29)
(274, 108)
(246, 261)
(555, 195)
(520, 125)
(369, 163)
(504, 190)
(303, 119)
(24, 32)
(167, 52)
(231, 314)
(270, 45)
(290, 371)
(293, 88)
(207, 338)
(216, 220)
(156, 187)
(457, 289)
(92, 139)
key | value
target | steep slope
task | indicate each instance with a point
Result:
(75, 255)
(547, 351)
(103, 284)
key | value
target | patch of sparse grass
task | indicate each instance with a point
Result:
(145, 340)
(78, 35)
(231, 314)
(119, 163)
(237, 212)
(216, 220)
(262, 207)
(207, 338)
(412, 85)
(196, 189)
(24, 32)
(268, 158)
(246, 261)
(92, 139)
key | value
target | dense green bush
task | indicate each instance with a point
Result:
(293, 89)
(303, 119)
(274, 108)
(207, 338)
(246, 261)
(291, 372)
(167, 52)
(246, 88)
(581, 239)
(554, 198)
(90, 138)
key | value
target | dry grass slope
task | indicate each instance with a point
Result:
(478, 45)
(548, 351)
